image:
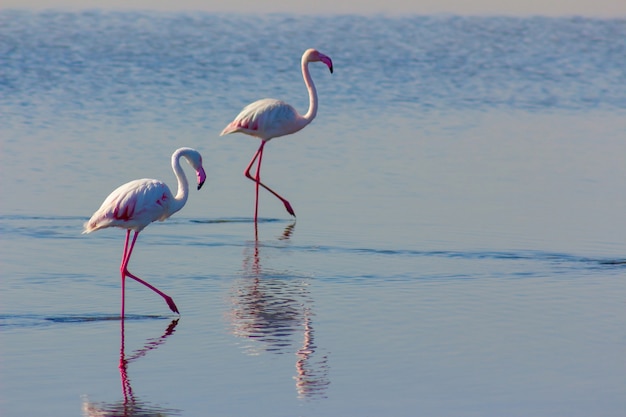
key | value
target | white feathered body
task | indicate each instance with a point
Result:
(133, 205)
(266, 119)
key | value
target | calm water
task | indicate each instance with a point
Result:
(460, 244)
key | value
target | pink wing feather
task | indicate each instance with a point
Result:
(267, 118)
(133, 205)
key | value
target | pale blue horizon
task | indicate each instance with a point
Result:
(590, 8)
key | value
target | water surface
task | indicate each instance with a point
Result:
(459, 247)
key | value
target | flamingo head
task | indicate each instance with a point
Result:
(195, 160)
(313, 55)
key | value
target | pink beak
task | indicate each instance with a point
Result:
(201, 177)
(326, 60)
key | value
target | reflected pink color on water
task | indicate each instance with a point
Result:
(271, 311)
(459, 248)
(131, 406)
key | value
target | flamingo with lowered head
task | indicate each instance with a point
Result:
(269, 118)
(138, 203)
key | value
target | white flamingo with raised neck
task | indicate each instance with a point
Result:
(270, 118)
(136, 204)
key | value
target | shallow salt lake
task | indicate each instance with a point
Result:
(445, 260)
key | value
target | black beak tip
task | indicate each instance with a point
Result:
(200, 184)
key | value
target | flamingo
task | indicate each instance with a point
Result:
(269, 118)
(138, 203)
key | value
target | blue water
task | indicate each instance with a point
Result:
(459, 247)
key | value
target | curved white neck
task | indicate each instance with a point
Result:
(183, 185)
(312, 112)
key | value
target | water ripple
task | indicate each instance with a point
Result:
(528, 255)
(35, 320)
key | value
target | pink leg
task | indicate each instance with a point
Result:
(122, 271)
(257, 154)
(125, 272)
(257, 180)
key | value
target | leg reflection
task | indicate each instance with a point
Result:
(131, 406)
(311, 372)
(269, 309)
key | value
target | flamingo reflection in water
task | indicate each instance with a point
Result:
(269, 309)
(130, 406)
